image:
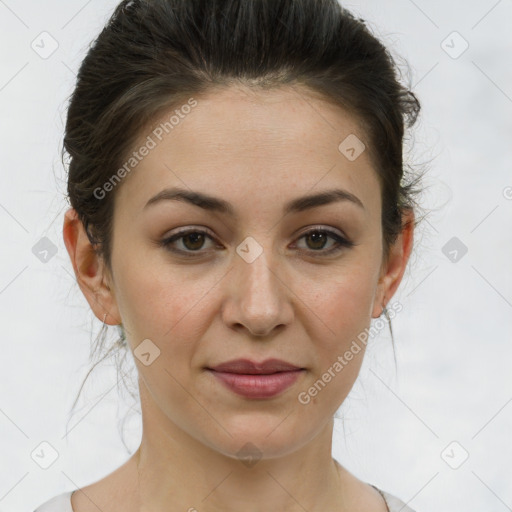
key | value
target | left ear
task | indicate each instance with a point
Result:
(393, 270)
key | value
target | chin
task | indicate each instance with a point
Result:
(254, 439)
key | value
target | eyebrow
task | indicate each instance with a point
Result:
(215, 204)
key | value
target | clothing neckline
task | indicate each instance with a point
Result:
(376, 488)
(383, 497)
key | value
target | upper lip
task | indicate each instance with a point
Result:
(246, 366)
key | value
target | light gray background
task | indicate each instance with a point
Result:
(453, 337)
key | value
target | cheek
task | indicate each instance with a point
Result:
(150, 296)
(167, 306)
(168, 309)
(342, 310)
(343, 305)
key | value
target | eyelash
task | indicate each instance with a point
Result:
(342, 243)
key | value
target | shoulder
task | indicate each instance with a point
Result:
(59, 503)
(366, 496)
(394, 504)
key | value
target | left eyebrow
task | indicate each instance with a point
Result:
(215, 204)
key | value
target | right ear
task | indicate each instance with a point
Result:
(91, 272)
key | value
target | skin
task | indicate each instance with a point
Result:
(257, 150)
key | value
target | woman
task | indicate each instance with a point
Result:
(239, 211)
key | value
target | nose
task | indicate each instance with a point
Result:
(259, 296)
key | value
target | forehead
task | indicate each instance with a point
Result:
(240, 143)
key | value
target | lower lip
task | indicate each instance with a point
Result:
(258, 386)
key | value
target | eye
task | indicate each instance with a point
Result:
(193, 240)
(318, 238)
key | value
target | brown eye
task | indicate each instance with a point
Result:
(316, 240)
(192, 240)
(196, 240)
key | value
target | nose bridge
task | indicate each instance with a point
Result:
(257, 267)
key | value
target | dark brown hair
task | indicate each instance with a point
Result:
(155, 54)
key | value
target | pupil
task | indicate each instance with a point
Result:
(317, 236)
(197, 237)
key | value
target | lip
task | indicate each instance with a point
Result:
(248, 367)
(257, 380)
(258, 385)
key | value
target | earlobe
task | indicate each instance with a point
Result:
(90, 270)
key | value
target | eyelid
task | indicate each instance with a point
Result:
(322, 227)
(191, 229)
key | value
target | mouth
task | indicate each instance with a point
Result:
(257, 386)
(248, 367)
(256, 380)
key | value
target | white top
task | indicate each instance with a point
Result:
(62, 503)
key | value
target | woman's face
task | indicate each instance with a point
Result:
(260, 283)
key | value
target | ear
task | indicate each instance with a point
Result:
(91, 273)
(393, 270)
